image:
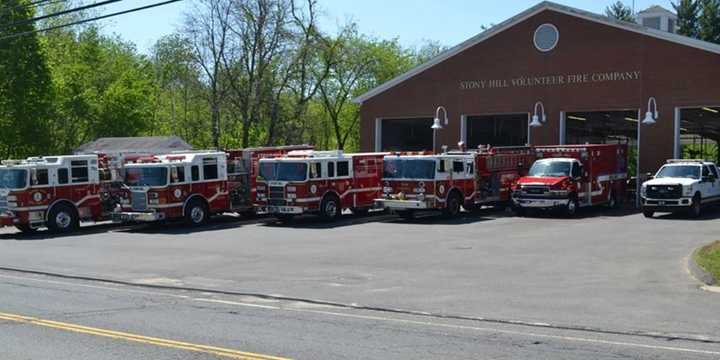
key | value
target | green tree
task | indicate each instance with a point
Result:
(25, 85)
(620, 11)
(687, 13)
(709, 21)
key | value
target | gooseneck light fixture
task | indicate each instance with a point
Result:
(538, 118)
(438, 124)
(652, 113)
(651, 117)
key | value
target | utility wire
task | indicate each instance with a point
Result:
(60, 13)
(89, 20)
(7, 9)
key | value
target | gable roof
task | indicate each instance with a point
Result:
(545, 5)
(656, 9)
(141, 144)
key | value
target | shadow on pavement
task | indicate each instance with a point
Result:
(85, 229)
(708, 213)
(317, 222)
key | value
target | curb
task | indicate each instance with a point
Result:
(698, 272)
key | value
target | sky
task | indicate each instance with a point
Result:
(412, 22)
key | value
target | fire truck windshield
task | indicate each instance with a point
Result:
(283, 171)
(550, 168)
(13, 178)
(409, 169)
(146, 176)
(679, 171)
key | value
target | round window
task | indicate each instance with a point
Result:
(546, 37)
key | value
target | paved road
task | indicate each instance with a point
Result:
(603, 272)
(49, 318)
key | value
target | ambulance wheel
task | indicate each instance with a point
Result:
(330, 208)
(452, 208)
(696, 206)
(196, 213)
(62, 218)
(26, 229)
(572, 207)
(648, 214)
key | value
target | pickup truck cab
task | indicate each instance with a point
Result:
(681, 185)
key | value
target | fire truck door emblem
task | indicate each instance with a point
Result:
(313, 189)
(177, 193)
(37, 197)
(441, 189)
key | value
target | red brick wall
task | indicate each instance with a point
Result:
(675, 74)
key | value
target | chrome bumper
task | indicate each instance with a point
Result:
(295, 210)
(540, 203)
(127, 216)
(401, 204)
(666, 203)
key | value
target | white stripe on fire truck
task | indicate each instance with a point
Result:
(43, 207)
(307, 200)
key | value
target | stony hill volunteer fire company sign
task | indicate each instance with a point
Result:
(551, 80)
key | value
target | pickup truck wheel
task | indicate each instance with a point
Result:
(648, 213)
(519, 211)
(330, 208)
(452, 208)
(696, 206)
(196, 213)
(62, 218)
(571, 208)
(26, 229)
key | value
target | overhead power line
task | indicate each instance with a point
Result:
(90, 19)
(38, 3)
(61, 13)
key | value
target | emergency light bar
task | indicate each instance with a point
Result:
(677, 161)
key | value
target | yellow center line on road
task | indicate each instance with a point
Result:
(213, 350)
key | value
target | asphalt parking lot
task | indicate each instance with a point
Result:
(608, 272)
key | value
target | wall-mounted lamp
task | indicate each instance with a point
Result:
(651, 115)
(538, 118)
(438, 124)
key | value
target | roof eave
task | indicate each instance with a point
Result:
(546, 5)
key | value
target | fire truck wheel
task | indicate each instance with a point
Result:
(572, 207)
(696, 207)
(196, 213)
(453, 205)
(25, 228)
(62, 218)
(330, 207)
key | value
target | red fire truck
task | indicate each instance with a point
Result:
(59, 191)
(323, 182)
(567, 177)
(193, 185)
(452, 180)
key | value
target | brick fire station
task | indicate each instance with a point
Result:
(591, 79)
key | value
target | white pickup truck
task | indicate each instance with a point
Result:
(681, 185)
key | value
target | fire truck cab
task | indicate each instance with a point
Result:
(452, 180)
(568, 177)
(57, 191)
(320, 182)
(189, 185)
